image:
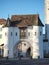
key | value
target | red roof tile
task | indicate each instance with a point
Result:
(2, 21)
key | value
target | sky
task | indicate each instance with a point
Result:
(19, 7)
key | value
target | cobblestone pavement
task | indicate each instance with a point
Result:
(24, 62)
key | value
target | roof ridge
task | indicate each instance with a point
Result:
(24, 15)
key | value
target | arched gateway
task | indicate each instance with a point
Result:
(23, 49)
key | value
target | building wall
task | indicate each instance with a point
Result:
(47, 18)
(5, 39)
(45, 47)
(36, 38)
(1, 34)
(47, 11)
(10, 38)
(47, 21)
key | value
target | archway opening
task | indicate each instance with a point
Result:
(28, 53)
(23, 49)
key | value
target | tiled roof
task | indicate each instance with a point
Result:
(22, 20)
(27, 20)
(2, 21)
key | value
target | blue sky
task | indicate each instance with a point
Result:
(13, 7)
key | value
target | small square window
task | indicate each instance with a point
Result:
(8, 51)
(16, 33)
(0, 36)
(5, 33)
(35, 33)
(24, 44)
(11, 33)
(29, 33)
(48, 8)
(0, 51)
(0, 29)
(40, 33)
(38, 57)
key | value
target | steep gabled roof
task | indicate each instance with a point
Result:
(27, 20)
(22, 21)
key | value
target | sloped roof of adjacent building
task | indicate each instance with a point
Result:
(2, 21)
(24, 20)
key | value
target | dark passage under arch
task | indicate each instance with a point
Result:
(28, 53)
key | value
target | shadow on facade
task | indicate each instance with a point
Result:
(1, 50)
(46, 41)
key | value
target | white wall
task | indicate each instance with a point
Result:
(37, 40)
(1, 34)
(10, 40)
(16, 38)
(5, 40)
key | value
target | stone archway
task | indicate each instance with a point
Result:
(23, 49)
(28, 53)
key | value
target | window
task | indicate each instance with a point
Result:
(0, 29)
(29, 33)
(0, 51)
(16, 33)
(48, 8)
(8, 51)
(0, 36)
(38, 57)
(5, 34)
(22, 33)
(35, 33)
(40, 33)
(11, 33)
(24, 44)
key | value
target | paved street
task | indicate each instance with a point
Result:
(24, 62)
